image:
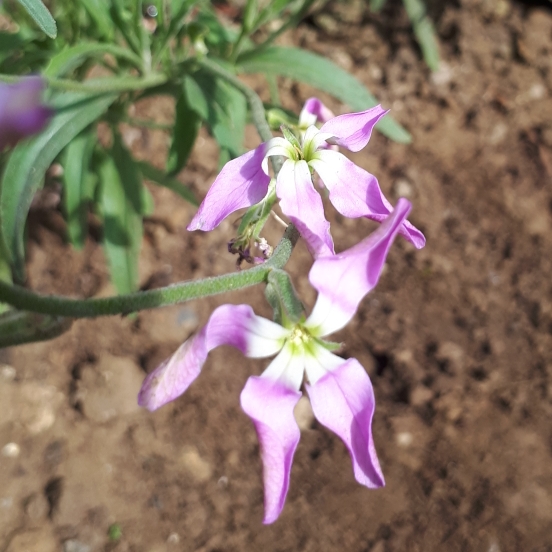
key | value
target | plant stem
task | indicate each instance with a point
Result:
(27, 300)
(100, 85)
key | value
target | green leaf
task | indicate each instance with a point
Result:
(73, 57)
(76, 162)
(162, 179)
(41, 16)
(424, 32)
(98, 10)
(226, 111)
(28, 162)
(376, 5)
(119, 199)
(322, 74)
(186, 126)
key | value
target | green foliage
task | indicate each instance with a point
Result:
(41, 16)
(422, 27)
(29, 161)
(424, 32)
(99, 58)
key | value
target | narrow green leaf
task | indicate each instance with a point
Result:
(196, 98)
(98, 10)
(322, 74)
(159, 177)
(130, 175)
(41, 16)
(76, 161)
(28, 162)
(74, 56)
(5, 274)
(186, 126)
(424, 32)
(122, 224)
(227, 111)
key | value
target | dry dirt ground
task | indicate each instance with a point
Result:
(457, 338)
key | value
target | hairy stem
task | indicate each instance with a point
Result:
(27, 300)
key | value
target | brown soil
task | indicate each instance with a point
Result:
(457, 337)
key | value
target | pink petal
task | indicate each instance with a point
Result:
(21, 111)
(344, 279)
(356, 193)
(235, 325)
(241, 183)
(353, 130)
(314, 111)
(343, 401)
(270, 406)
(303, 205)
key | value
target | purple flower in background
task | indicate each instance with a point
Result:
(21, 111)
(340, 390)
(314, 111)
(244, 181)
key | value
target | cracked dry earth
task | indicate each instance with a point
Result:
(457, 338)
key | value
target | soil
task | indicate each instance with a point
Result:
(457, 337)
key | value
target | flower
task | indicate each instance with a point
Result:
(355, 193)
(21, 113)
(340, 390)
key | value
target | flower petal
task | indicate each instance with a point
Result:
(343, 401)
(356, 193)
(235, 325)
(344, 279)
(353, 130)
(303, 205)
(287, 368)
(21, 111)
(241, 183)
(270, 406)
(314, 111)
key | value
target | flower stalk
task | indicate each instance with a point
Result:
(26, 300)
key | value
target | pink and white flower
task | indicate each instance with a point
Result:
(340, 390)
(354, 192)
(21, 110)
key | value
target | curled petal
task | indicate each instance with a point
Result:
(343, 401)
(344, 279)
(270, 406)
(21, 111)
(314, 111)
(353, 130)
(241, 183)
(303, 205)
(356, 193)
(235, 325)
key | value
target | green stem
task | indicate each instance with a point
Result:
(26, 300)
(102, 85)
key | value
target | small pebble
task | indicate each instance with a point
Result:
(174, 538)
(7, 372)
(403, 188)
(11, 450)
(404, 439)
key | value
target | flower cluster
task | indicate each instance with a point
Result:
(339, 390)
(354, 192)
